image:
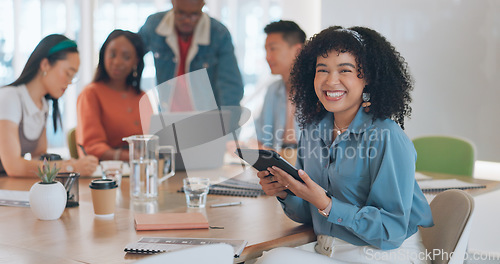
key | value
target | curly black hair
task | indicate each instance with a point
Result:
(386, 73)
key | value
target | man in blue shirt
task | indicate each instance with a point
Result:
(276, 126)
(184, 40)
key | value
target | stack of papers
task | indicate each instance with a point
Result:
(151, 245)
(443, 185)
(14, 198)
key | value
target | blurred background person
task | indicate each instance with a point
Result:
(185, 39)
(108, 108)
(49, 70)
(276, 126)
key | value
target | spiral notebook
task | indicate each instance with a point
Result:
(14, 198)
(153, 245)
(235, 187)
(443, 185)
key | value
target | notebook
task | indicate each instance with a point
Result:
(152, 245)
(170, 221)
(443, 185)
(14, 198)
(198, 137)
(422, 177)
(234, 187)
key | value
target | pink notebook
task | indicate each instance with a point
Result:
(170, 221)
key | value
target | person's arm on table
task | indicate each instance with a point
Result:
(90, 130)
(16, 166)
(383, 221)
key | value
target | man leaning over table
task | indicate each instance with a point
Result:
(185, 39)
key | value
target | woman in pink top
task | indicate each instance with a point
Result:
(108, 108)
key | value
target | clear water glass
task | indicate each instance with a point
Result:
(196, 190)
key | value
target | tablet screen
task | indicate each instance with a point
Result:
(262, 159)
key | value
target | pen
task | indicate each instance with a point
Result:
(83, 149)
(226, 204)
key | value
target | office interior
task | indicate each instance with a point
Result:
(452, 48)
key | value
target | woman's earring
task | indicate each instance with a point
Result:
(44, 73)
(318, 106)
(134, 73)
(366, 102)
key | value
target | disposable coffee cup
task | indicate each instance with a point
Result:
(104, 197)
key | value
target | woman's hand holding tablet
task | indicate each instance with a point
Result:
(262, 159)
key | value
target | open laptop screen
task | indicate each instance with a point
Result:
(198, 137)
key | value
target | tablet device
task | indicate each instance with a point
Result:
(262, 159)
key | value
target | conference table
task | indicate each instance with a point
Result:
(79, 237)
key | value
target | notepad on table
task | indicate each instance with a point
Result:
(443, 185)
(235, 187)
(14, 198)
(170, 221)
(422, 177)
(98, 171)
(152, 245)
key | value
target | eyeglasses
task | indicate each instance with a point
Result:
(183, 15)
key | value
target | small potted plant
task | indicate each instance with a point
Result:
(48, 197)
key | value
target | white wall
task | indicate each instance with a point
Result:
(307, 14)
(453, 50)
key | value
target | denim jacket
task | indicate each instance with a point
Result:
(211, 49)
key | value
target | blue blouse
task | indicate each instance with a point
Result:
(369, 171)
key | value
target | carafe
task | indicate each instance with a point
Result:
(144, 154)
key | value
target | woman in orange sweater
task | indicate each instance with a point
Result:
(108, 108)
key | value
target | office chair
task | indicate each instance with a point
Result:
(452, 211)
(445, 154)
(71, 139)
(207, 254)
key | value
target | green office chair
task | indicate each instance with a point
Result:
(445, 154)
(71, 138)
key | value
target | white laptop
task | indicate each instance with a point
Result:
(199, 137)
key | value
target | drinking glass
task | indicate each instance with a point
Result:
(196, 190)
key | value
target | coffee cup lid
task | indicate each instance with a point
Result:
(102, 184)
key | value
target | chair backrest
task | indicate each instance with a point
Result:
(207, 254)
(452, 212)
(71, 139)
(445, 154)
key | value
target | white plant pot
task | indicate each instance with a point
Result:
(48, 200)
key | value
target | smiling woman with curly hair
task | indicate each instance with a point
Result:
(385, 71)
(352, 93)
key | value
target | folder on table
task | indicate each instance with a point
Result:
(152, 245)
(443, 185)
(170, 221)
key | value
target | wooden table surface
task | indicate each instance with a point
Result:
(79, 237)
